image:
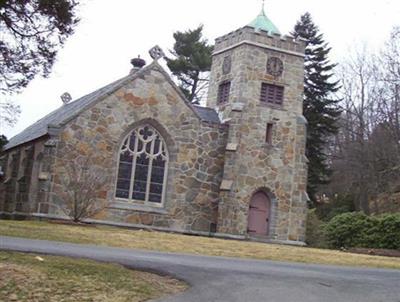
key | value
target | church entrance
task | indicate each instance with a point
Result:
(258, 221)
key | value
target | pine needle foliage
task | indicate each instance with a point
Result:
(320, 107)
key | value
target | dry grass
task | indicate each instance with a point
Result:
(159, 241)
(29, 277)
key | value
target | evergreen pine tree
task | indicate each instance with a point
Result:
(192, 59)
(32, 32)
(320, 108)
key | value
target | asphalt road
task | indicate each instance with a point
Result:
(230, 279)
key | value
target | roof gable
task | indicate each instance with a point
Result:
(67, 112)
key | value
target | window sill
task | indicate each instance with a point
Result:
(126, 205)
(272, 106)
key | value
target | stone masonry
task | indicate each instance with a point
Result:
(278, 168)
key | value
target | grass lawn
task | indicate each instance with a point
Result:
(30, 277)
(167, 242)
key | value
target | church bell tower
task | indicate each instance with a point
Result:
(256, 86)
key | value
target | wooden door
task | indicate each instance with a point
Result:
(258, 220)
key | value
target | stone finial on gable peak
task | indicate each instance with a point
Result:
(66, 98)
(156, 53)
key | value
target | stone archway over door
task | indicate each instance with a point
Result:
(259, 212)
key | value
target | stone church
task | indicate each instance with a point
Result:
(235, 168)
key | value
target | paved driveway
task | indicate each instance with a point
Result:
(230, 279)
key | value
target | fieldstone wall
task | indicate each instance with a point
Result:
(10, 163)
(251, 164)
(196, 151)
(21, 187)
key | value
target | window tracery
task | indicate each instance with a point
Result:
(142, 167)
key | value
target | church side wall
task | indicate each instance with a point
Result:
(196, 154)
(25, 182)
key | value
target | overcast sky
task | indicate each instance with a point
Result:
(112, 32)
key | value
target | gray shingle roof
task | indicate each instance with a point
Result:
(68, 111)
(207, 114)
(61, 115)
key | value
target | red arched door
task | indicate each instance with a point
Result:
(258, 223)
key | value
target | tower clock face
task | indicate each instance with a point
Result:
(274, 66)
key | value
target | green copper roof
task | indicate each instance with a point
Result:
(263, 23)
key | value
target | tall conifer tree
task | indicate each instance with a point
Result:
(191, 62)
(320, 107)
(32, 32)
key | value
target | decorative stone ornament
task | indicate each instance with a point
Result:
(66, 98)
(275, 66)
(156, 53)
(226, 65)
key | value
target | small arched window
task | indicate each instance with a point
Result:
(142, 167)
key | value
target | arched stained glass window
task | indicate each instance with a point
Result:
(142, 168)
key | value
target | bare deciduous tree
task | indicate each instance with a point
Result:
(366, 151)
(9, 112)
(83, 184)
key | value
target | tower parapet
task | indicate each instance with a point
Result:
(260, 38)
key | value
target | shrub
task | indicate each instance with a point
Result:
(337, 205)
(314, 231)
(388, 231)
(359, 230)
(348, 230)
